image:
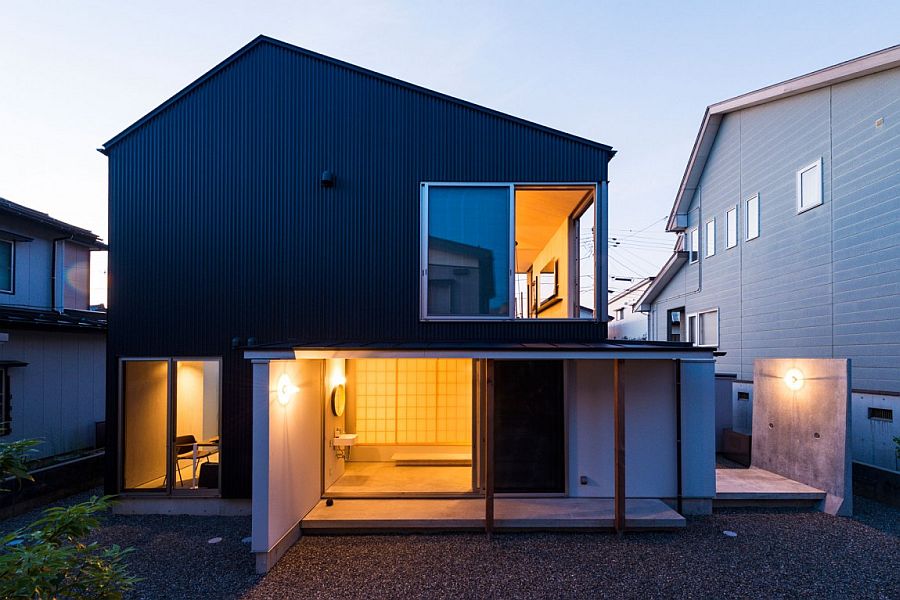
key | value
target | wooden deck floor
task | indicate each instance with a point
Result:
(364, 515)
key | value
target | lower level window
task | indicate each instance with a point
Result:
(170, 425)
(703, 328)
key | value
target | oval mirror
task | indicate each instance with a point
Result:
(338, 400)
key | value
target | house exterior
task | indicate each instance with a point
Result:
(626, 323)
(788, 225)
(52, 346)
(323, 277)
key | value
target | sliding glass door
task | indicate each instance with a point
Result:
(170, 425)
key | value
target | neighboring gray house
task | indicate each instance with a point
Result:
(788, 217)
(52, 346)
(625, 323)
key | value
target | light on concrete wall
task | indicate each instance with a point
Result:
(285, 389)
(794, 379)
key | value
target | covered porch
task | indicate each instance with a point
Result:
(623, 411)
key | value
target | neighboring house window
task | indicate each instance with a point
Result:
(731, 228)
(694, 244)
(710, 238)
(809, 186)
(753, 217)
(703, 328)
(673, 325)
(7, 266)
(5, 405)
(620, 314)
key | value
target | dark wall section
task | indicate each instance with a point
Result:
(220, 228)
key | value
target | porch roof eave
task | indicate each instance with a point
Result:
(607, 351)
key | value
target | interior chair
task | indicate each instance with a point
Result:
(184, 450)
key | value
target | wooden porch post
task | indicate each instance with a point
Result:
(619, 419)
(489, 447)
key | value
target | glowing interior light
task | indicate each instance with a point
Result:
(338, 379)
(794, 379)
(286, 389)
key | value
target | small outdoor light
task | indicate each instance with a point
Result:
(285, 389)
(794, 379)
(327, 179)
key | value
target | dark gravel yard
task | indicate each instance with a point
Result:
(777, 553)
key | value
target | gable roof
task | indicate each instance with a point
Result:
(875, 62)
(262, 39)
(82, 236)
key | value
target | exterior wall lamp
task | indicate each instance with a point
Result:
(793, 379)
(285, 389)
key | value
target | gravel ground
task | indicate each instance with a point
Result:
(777, 553)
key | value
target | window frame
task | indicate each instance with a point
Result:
(817, 164)
(732, 211)
(12, 266)
(693, 235)
(758, 212)
(710, 239)
(169, 490)
(697, 315)
(599, 269)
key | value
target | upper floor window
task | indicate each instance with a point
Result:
(504, 251)
(694, 245)
(710, 238)
(731, 228)
(809, 186)
(620, 314)
(752, 217)
(703, 328)
(7, 266)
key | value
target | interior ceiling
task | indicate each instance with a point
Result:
(539, 213)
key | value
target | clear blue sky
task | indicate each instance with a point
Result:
(635, 75)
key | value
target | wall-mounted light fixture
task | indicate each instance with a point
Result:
(793, 379)
(327, 179)
(285, 389)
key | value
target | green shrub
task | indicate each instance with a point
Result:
(48, 558)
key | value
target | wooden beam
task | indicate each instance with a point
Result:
(489, 447)
(619, 420)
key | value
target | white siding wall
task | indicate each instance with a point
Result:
(33, 264)
(61, 394)
(824, 283)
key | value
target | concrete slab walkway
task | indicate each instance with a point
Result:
(367, 515)
(757, 486)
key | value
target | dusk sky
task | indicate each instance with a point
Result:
(636, 76)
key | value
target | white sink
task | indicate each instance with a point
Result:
(344, 440)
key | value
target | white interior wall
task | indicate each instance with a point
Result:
(335, 373)
(287, 450)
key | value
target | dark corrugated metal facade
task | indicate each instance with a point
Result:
(219, 227)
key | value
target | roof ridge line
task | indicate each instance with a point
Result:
(260, 39)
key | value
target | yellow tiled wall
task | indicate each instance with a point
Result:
(413, 401)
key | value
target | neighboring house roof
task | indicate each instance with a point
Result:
(630, 290)
(77, 234)
(882, 60)
(262, 39)
(72, 320)
(678, 258)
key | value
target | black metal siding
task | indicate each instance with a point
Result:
(219, 227)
